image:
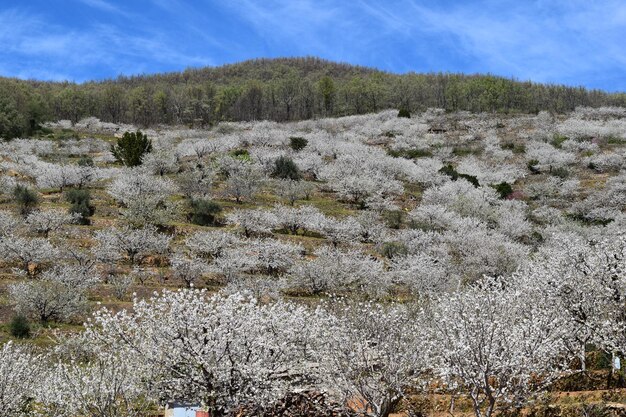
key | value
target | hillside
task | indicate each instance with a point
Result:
(280, 89)
(394, 264)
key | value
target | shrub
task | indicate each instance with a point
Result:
(203, 212)
(80, 201)
(297, 143)
(285, 168)
(25, 198)
(504, 189)
(242, 154)
(455, 175)
(392, 249)
(85, 161)
(557, 140)
(19, 327)
(131, 147)
(11, 122)
(514, 147)
(404, 113)
(394, 219)
(410, 153)
(560, 172)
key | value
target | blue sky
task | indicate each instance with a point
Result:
(573, 42)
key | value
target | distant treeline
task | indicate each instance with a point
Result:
(276, 89)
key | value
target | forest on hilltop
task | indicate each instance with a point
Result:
(282, 89)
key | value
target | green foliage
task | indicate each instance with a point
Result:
(11, 123)
(80, 201)
(557, 140)
(403, 112)
(204, 212)
(66, 134)
(463, 150)
(392, 249)
(19, 327)
(515, 147)
(394, 219)
(504, 189)
(281, 89)
(560, 172)
(327, 90)
(131, 147)
(410, 153)
(85, 161)
(25, 198)
(285, 168)
(297, 143)
(242, 154)
(615, 140)
(455, 175)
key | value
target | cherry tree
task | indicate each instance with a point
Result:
(188, 269)
(584, 283)
(423, 274)
(339, 271)
(90, 379)
(266, 256)
(253, 221)
(219, 351)
(132, 244)
(376, 355)
(293, 219)
(338, 231)
(61, 176)
(29, 253)
(19, 371)
(243, 178)
(500, 349)
(145, 198)
(196, 182)
(548, 157)
(45, 221)
(292, 190)
(59, 294)
(9, 224)
(160, 162)
(211, 244)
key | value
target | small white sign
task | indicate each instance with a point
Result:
(616, 363)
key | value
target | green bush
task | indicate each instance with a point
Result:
(404, 113)
(131, 147)
(66, 134)
(557, 140)
(19, 327)
(85, 161)
(560, 172)
(80, 201)
(394, 219)
(11, 122)
(297, 143)
(515, 147)
(204, 212)
(285, 168)
(25, 198)
(410, 153)
(242, 154)
(391, 249)
(504, 189)
(455, 175)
